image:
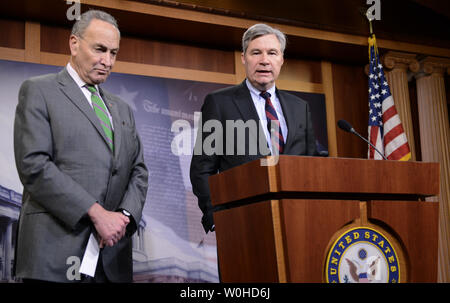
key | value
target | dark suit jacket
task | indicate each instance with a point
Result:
(232, 104)
(65, 165)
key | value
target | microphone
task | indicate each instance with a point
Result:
(344, 125)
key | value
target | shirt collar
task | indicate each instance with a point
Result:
(256, 91)
(72, 72)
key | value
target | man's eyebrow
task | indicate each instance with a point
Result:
(261, 49)
(105, 47)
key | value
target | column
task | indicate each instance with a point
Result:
(2, 252)
(398, 65)
(435, 144)
(8, 250)
(135, 241)
(141, 238)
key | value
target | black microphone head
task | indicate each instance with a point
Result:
(344, 125)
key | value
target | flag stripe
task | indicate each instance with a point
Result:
(389, 113)
(392, 134)
(375, 139)
(391, 123)
(401, 152)
(385, 128)
(387, 103)
(394, 144)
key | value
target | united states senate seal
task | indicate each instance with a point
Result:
(362, 255)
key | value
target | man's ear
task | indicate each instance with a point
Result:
(243, 58)
(74, 43)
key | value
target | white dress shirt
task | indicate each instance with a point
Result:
(82, 85)
(260, 105)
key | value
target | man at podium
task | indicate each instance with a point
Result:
(251, 120)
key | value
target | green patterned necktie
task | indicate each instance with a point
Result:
(102, 114)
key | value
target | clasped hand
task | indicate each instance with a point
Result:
(110, 226)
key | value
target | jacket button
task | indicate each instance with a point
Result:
(114, 172)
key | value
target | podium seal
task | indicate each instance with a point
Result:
(362, 255)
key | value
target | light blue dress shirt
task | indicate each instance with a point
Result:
(260, 105)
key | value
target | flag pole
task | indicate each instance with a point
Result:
(385, 128)
(370, 23)
(372, 40)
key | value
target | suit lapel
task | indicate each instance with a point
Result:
(76, 96)
(244, 102)
(113, 110)
(289, 116)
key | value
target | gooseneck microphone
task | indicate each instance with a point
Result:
(344, 125)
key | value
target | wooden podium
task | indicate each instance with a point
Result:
(280, 221)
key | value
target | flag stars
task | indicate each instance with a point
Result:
(378, 91)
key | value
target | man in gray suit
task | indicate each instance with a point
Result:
(80, 160)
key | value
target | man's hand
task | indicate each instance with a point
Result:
(111, 226)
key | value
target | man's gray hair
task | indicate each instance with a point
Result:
(85, 19)
(259, 30)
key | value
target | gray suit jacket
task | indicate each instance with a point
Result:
(65, 165)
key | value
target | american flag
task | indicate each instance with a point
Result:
(385, 128)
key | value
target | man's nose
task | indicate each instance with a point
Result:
(264, 59)
(106, 59)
